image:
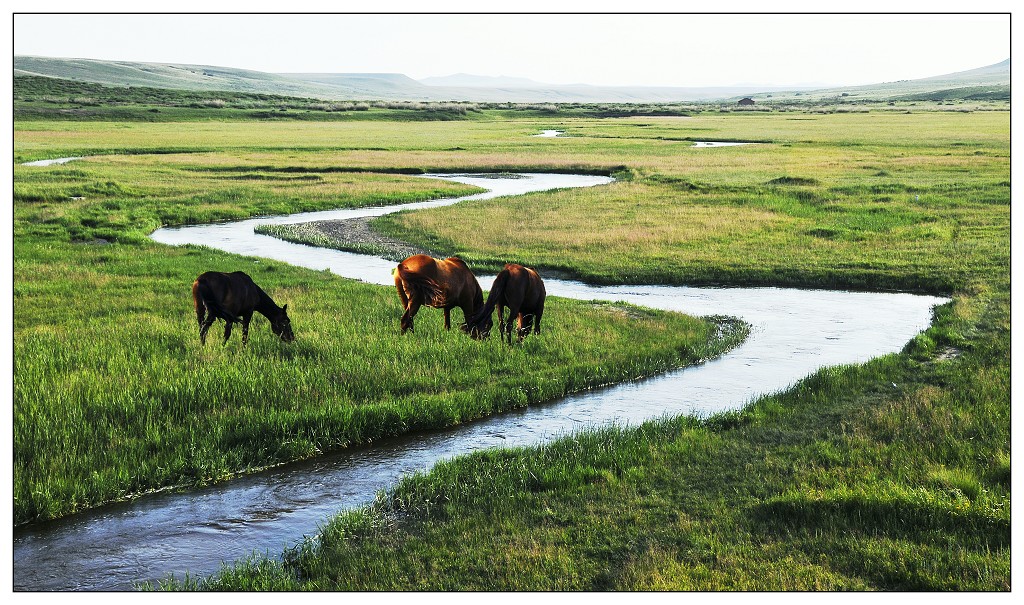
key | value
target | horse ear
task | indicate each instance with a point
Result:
(285, 308)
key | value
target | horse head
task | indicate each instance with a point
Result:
(479, 326)
(282, 326)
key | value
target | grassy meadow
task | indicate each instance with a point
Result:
(114, 396)
(878, 202)
(892, 475)
(845, 482)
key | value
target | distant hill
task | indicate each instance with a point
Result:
(364, 86)
(998, 73)
(992, 80)
(353, 86)
(472, 81)
(161, 75)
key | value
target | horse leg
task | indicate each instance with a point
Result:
(200, 311)
(525, 324)
(410, 313)
(245, 329)
(204, 327)
(227, 331)
(467, 314)
(501, 321)
(513, 316)
(402, 296)
(536, 320)
(447, 319)
(201, 317)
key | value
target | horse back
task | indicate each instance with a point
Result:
(462, 284)
(444, 283)
(235, 292)
(421, 264)
(525, 286)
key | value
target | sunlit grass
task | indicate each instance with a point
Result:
(894, 475)
(115, 395)
(875, 202)
(886, 476)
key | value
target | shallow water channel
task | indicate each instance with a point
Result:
(794, 333)
(52, 162)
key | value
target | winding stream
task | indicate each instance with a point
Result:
(52, 162)
(795, 332)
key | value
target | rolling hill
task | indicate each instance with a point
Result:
(992, 80)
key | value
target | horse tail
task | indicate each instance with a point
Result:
(197, 300)
(201, 292)
(429, 290)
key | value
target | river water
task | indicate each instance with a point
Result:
(794, 332)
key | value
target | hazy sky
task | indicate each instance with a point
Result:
(651, 50)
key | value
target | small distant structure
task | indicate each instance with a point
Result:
(745, 101)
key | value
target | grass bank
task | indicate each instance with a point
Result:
(892, 475)
(114, 396)
(863, 211)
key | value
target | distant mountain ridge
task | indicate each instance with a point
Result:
(458, 87)
(163, 75)
(474, 81)
(996, 75)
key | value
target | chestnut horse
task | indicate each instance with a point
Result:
(442, 284)
(235, 297)
(521, 290)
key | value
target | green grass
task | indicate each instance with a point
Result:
(114, 395)
(893, 475)
(124, 199)
(43, 98)
(835, 202)
(656, 230)
(56, 99)
(887, 476)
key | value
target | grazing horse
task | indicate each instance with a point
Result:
(442, 284)
(521, 290)
(235, 297)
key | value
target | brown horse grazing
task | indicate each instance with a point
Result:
(234, 297)
(442, 284)
(521, 290)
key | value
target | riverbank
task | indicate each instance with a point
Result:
(892, 475)
(353, 235)
(902, 443)
(111, 404)
(795, 333)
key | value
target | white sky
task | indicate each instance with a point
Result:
(599, 49)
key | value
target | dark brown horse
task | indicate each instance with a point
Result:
(521, 290)
(234, 297)
(442, 284)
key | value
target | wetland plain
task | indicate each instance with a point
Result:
(890, 473)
